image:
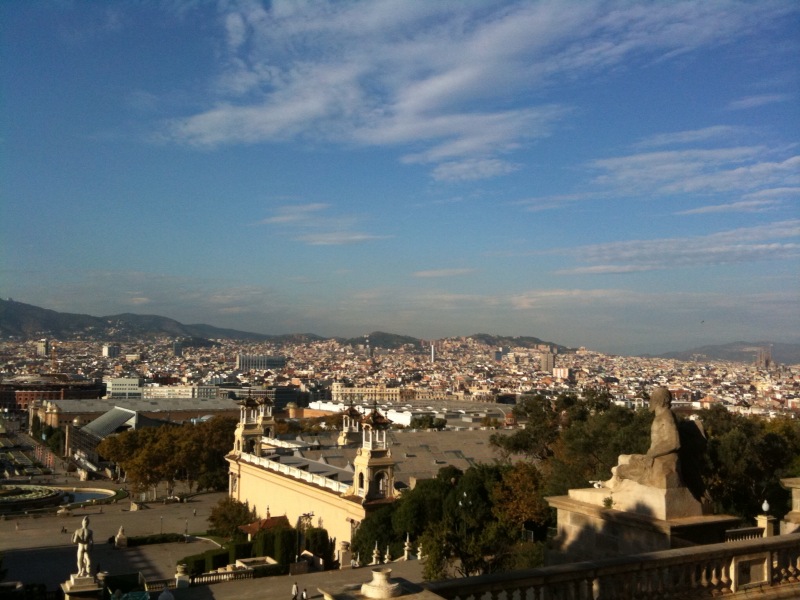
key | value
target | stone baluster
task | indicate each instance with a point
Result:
(704, 582)
(714, 580)
(725, 565)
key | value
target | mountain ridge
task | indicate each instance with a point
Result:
(20, 320)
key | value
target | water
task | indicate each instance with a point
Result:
(86, 496)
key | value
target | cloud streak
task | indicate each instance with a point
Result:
(748, 244)
(388, 73)
(310, 224)
(758, 101)
(435, 273)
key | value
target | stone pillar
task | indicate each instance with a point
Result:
(766, 523)
(345, 556)
(81, 587)
(182, 579)
(791, 522)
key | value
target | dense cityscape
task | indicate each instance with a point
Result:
(457, 369)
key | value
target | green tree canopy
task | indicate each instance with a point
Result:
(228, 515)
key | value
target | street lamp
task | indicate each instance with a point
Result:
(162, 524)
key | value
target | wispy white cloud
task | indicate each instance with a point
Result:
(747, 244)
(411, 73)
(472, 169)
(741, 206)
(738, 169)
(759, 100)
(541, 203)
(433, 273)
(299, 213)
(692, 136)
(310, 224)
(337, 238)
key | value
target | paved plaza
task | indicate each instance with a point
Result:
(37, 551)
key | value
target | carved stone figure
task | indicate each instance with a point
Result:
(84, 538)
(660, 466)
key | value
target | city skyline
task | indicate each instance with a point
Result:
(617, 175)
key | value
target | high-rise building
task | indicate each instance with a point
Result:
(548, 362)
(43, 348)
(111, 350)
(259, 362)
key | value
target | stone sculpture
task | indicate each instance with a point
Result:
(84, 539)
(660, 467)
(651, 483)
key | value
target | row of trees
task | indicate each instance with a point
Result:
(283, 543)
(52, 437)
(191, 453)
(478, 521)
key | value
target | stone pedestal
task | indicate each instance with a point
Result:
(590, 529)
(381, 586)
(182, 578)
(767, 523)
(632, 497)
(81, 587)
(791, 522)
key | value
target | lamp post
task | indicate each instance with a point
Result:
(162, 524)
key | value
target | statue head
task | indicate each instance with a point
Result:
(85, 522)
(660, 398)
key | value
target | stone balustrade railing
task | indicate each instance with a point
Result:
(207, 578)
(768, 567)
(274, 465)
(155, 585)
(744, 533)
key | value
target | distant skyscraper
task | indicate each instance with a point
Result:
(259, 362)
(764, 358)
(111, 350)
(43, 348)
(548, 362)
(177, 349)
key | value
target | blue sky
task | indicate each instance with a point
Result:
(619, 175)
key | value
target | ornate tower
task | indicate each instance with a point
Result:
(373, 478)
(351, 425)
(255, 421)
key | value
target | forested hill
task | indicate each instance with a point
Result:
(29, 322)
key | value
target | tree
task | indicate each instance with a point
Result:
(476, 541)
(192, 452)
(518, 500)
(587, 449)
(420, 506)
(227, 515)
(320, 544)
(376, 528)
(428, 422)
(535, 439)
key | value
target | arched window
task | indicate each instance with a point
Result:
(361, 484)
(381, 484)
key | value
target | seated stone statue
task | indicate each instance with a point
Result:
(660, 467)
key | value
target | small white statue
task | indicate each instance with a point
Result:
(83, 537)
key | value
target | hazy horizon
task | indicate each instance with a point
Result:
(617, 175)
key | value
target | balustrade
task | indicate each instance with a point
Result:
(747, 566)
(745, 533)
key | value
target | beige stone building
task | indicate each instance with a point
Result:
(334, 480)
